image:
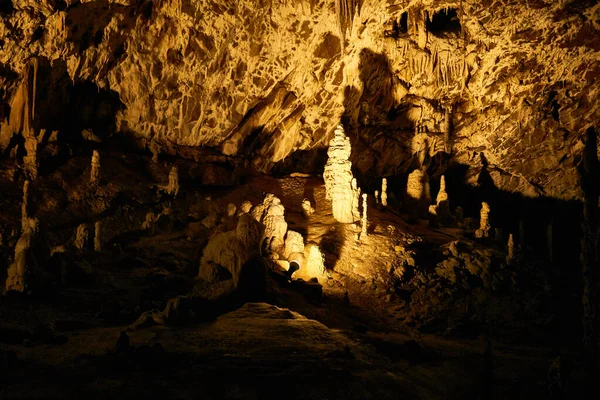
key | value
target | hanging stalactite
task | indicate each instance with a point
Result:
(346, 10)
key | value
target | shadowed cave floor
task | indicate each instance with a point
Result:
(408, 341)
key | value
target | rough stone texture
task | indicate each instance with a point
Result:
(517, 80)
(338, 177)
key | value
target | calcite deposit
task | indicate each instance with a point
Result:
(198, 73)
(338, 177)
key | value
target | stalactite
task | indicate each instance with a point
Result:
(346, 10)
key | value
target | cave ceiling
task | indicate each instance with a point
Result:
(511, 86)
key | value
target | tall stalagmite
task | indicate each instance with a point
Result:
(338, 177)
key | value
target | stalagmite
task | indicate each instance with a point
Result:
(377, 197)
(294, 250)
(30, 161)
(511, 249)
(271, 215)
(173, 187)
(315, 263)
(338, 177)
(363, 232)
(81, 237)
(484, 222)
(384, 192)
(148, 223)
(307, 208)
(24, 217)
(417, 191)
(442, 203)
(245, 207)
(20, 271)
(355, 200)
(97, 236)
(231, 209)
(95, 171)
(230, 250)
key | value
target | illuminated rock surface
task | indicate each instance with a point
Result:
(217, 249)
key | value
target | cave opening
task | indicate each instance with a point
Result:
(444, 22)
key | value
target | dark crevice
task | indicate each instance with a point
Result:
(6, 7)
(444, 22)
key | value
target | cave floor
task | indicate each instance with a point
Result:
(63, 337)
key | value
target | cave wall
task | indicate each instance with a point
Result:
(505, 87)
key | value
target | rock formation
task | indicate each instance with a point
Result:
(457, 65)
(484, 222)
(363, 232)
(338, 177)
(377, 197)
(271, 214)
(98, 236)
(355, 200)
(231, 208)
(294, 249)
(417, 191)
(442, 203)
(81, 237)
(510, 249)
(315, 263)
(307, 208)
(173, 187)
(230, 250)
(30, 161)
(245, 207)
(95, 167)
(384, 195)
(24, 204)
(22, 267)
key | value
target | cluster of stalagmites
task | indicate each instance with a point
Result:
(261, 232)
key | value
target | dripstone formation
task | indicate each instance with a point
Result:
(338, 177)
